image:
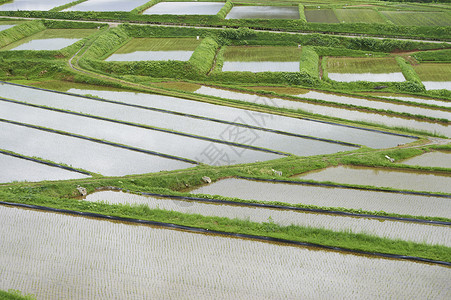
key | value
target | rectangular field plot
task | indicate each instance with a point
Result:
(157, 263)
(398, 179)
(141, 49)
(359, 16)
(5, 26)
(329, 197)
(264, 120)
(185, 8)
(430, 234)
(383, 105)
(263, 12)
(50, 39)
(320, 16)
(418, 18)
(417, 99)
(431, 159)
(107, 5)
(337, 112)
(364, 69)
(163, 142)
(82, 154)
(434, 75)
(16, 5)
(261, 59)
(18, 169)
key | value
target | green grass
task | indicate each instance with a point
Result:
(263, 53)
(53, 33)
(359, 16)
(362, 65)
(433, 71)
(159, 44)
(14, 295)
(418, 18)
(437, 55)
(321, 16)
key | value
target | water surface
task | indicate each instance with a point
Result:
(263, 12)
(264, 120)
(383, 178)
(437, 85)
(4, 27)
(431, 159)
(404, 204)
(420, 100)
(184, 8)
(430, 234)
(372, 77)
(32, 4)
(78, 153)
(342, 113)
(46, 44)
(17, 169)
(107, 5)
(51, 256)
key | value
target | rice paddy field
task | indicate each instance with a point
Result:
(152, 259)
(141, 49)
(407, 18)
(50, 39)
(320, 16)
(359, 16)
(231, 166)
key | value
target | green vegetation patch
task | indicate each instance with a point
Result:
(263, 53)
(359, 16)
(438, 55)
(52, 34)
(362, 65)
(418, 18)
(321, 16)
(433, 71)
(159, 44)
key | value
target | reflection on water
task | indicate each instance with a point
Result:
(431, 159)
(414, 205)
(390, 229)
(372, 77)
(107, 5)
(398, 179)
(263, 12)
(17, 169)
(184, 8)
(437, 85)
(32, 4)
(4, 27)
(46, 44)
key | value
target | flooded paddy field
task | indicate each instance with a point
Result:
(51, 256)
(399, 179)
(336, 112)
(431, 159)
(435, 76)
(6, 26)
(83, 154)
(185, 8)
(13, 170)
(437, 85)
(415, 232)
(346, 69)
(320, 16)
(230, 114)
(404, 204)
(142, 138)
(263, 12)
(371, 103)
(50, 39)
(261, 59)
(32, 4)
(155, 49)
(411, 98)
(107, 5)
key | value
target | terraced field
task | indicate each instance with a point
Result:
(418, 18)
(359, 16)
(321, 16)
